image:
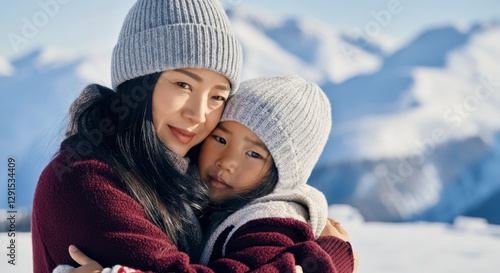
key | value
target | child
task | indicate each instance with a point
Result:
(256, 164)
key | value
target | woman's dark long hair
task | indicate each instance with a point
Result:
(148, 171)
(219, 212)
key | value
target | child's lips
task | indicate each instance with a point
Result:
(218, 183)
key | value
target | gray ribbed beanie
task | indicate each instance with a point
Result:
(291, 116)
(159, 35)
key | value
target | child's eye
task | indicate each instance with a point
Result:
(219, 139)
(183, 85)
(253, 154)
(219, 98)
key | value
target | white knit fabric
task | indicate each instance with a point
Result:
(62, 268)
(109, 270)
(303, 203)
(293, 118)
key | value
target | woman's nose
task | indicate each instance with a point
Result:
(196, 109)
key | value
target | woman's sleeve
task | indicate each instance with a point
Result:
(81, 204)
(272, 245)
(340, 252)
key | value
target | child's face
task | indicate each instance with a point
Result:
(233, 160)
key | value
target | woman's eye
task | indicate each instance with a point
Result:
(183, 85)
(253, 154)
(219, 139)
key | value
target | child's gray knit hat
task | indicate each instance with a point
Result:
(291, 116)
(159, 35)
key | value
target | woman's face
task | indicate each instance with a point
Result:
(187, 105)
(233, 160)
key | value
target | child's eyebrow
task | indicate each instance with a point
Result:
(224, 129)
(257, 143)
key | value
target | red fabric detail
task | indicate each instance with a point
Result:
(277, 245)
(80, 202)
(340, 252)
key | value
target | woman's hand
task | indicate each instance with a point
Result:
(87, 265)
(334, 228)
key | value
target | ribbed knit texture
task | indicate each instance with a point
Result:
(291, 116)
(343, 252)
(159, 35)
(303, 203)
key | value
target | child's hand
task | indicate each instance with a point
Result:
(87, 265)
(334, 228)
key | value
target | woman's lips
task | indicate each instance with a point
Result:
(218, 183)
(181, 135)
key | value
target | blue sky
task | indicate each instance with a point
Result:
(89, 26)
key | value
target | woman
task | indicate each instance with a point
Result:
(121, 176)
(120, 187)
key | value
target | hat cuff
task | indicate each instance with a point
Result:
(176, 46)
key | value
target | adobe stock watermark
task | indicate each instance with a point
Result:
(31, 25)
(372, 28)
(453, 117)
(471, 103)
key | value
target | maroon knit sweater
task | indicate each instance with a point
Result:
(81, 202)
(275, 245)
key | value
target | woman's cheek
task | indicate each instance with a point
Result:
(213, 119)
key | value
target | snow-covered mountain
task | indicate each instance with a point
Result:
(35, 98)
(416, 132)
(275, 46)
(420, 138)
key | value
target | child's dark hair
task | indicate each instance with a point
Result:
(219, 212)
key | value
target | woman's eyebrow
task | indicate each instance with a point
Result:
(255, 142)
(223, 87)
(190, 74)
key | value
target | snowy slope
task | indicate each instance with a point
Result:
(420, 138)
(414, 98)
